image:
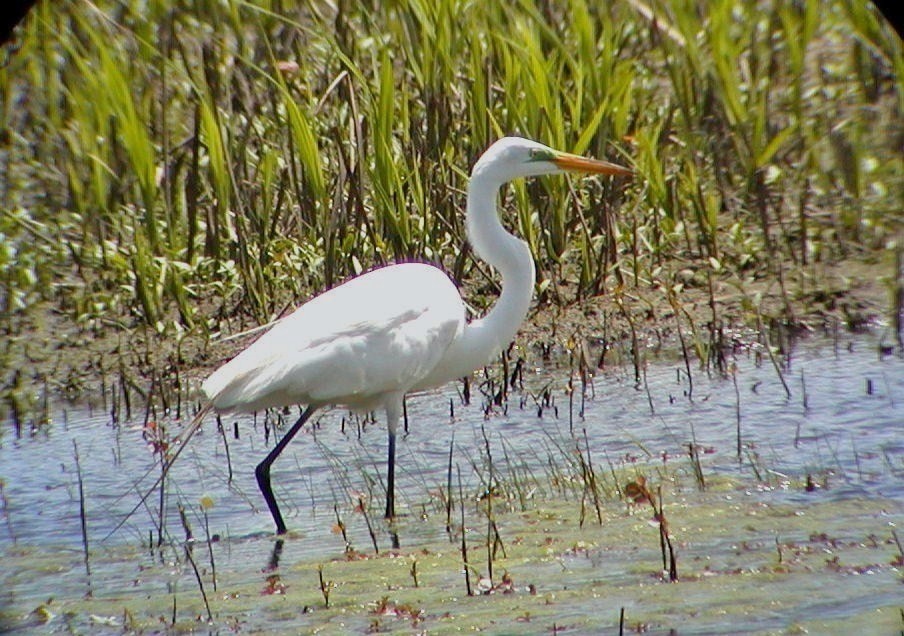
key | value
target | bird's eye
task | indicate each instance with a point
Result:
(539, 154)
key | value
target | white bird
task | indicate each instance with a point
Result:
(396, 329)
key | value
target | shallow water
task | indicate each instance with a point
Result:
(842, 426)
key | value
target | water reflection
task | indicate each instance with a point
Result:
(273, 562)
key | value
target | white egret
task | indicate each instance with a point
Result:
(371, 340)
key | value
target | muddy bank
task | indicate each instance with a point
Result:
(47, 357)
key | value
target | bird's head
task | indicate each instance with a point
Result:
(513, 157)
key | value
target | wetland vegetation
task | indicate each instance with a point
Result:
(711, 512)
(172, 173)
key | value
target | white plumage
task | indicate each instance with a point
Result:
(368, 342)
(350, 346)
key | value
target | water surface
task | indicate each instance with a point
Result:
(839, 431)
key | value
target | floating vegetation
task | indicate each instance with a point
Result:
(527, 518)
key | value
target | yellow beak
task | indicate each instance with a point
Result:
(576, 163)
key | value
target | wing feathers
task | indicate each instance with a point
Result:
(379, 333)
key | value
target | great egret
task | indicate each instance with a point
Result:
(401, 328)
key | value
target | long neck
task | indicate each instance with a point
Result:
(510, 257)
(483, 339)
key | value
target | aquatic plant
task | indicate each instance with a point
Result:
(189, 169)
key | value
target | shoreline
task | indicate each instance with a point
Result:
(52, 358)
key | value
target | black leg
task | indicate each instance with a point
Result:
(390, 477)
(263, 469)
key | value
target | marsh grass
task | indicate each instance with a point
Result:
(186, 169)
